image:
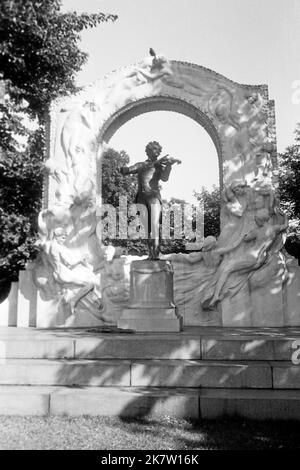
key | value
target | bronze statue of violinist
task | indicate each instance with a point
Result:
(149, 174)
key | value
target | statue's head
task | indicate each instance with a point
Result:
(269, 147)
(253, 97)
(158, 62)
(60, 235)
(209, 243)
(91, 106)
(153, 150)
(261, 216)
(239, 187)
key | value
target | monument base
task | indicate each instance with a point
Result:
(151, 307)
(200, 373)
(150, 320)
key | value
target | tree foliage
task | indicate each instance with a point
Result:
(289, 182)
(20, 195)
(114, 184)
(211, 203)
(39, 59)
(39, 49)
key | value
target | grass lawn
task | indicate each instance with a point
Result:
(101, 433)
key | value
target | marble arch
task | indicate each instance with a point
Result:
(163, 103)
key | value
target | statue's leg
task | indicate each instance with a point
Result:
(144, 219)
(150, 248)
(147, 226)
(156, 215)
(241, 266)
(77, 297)
(219, 286)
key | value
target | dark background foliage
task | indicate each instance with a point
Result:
(39, 59)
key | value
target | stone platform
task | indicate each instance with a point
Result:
(197, 373)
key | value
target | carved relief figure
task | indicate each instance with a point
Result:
(62, 215)
(263, 169)
(114, 285)
(194, 275)
(221, 106)
(78, 141)
(70, 271)
(251, 135)
(149, 72)
(260, 241)
(262, 195)
(234, 206)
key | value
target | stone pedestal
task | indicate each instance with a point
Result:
(151, 306)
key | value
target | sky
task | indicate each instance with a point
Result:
(249, 41)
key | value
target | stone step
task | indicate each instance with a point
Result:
(156, 402)
(64, 372)
(93, 347)
(150, 373)
(251, 404)
(209, 374)
(33, 348)
(82, 344)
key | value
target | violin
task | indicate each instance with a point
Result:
(167, 159)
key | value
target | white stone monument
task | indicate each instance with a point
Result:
(241, 279)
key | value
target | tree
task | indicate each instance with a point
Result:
(211, 203)
(289, 182)
(20, 195)
(173, 217)
(39, 60)
(289, 185)
(114, 184)
(39, 52)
